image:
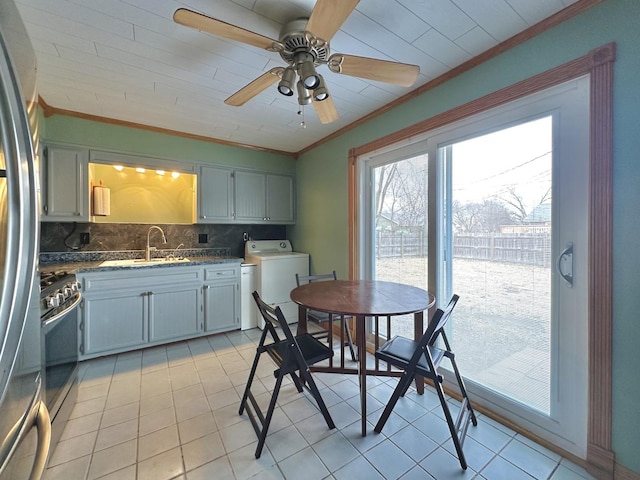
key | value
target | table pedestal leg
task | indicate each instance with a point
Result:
(418, 325)
(362, 373)
(302, 320)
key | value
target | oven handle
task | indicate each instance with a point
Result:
(61, 314)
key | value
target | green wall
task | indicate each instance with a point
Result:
(322, 177)
(103, 136)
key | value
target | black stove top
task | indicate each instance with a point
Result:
(51, 280)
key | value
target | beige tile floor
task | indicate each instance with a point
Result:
(171, 412)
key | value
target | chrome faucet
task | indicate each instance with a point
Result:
(148, 249)
(174, 254)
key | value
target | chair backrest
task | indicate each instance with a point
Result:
(303, 279)
(273, 318)
(436, 325)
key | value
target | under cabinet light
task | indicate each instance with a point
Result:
(175, 174)
(140, 170)
(118, 167)
(160, 172)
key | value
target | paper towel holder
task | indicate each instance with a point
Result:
(101, 200)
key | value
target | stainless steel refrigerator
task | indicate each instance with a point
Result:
(25, 427)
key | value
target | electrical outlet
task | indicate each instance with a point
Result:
(84, 238)
(203, 238)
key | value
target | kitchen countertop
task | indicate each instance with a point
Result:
(95, 266)
(91, 261)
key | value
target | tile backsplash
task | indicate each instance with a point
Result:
(67, 237)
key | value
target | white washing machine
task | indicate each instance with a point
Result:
(276, 268)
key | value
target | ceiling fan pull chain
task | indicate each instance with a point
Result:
(303, 124)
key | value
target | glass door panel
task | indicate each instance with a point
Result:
(400, 235)
(499, 209)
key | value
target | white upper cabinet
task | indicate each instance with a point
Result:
(215, 195)
(264, 198)
(250, 196)
(65, 195)
(280, 199)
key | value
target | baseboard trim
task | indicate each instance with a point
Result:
(623, 473)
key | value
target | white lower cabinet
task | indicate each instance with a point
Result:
(174, 313)
(132, 308)
(221, 298)
(112, 323)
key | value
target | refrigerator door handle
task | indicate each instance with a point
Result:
(37, 416)
(43, 424)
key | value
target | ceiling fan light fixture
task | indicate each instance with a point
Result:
(320, 93)
(307, 70)
(304, 96)
(285, 87)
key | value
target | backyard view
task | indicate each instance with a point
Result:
(499, 214)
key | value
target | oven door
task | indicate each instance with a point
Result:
(60, 351)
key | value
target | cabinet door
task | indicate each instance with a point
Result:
(174, 313)
(250, 196)
(66, 195)
(114, 323)
(221, 307)
(215, 195)
(280, 199)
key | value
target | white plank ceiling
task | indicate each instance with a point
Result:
(127, 60)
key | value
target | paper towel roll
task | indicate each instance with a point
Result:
(101, 200)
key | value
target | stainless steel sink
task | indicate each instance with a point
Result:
(141, 262)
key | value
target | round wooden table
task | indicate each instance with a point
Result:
(361, 299)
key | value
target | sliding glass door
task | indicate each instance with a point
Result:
(494, 209)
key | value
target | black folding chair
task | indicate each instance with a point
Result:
(292, 355)
(423, 358)
(323, 317)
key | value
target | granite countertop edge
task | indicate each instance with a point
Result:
(83, 262)
(85, 267)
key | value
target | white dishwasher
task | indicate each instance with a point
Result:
(276, 268)
(248, 309)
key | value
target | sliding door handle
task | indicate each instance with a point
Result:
(564, 264)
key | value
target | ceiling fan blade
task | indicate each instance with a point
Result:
(402, 74)
(328, 16)
(196, 20)
(326, 110)
(249, 91)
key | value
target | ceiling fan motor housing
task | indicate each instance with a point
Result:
(296, 39)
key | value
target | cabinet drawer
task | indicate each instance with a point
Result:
(219, 273)
(136, 279)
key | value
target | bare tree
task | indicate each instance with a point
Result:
(516, 201)
(480, 217)
(401, 192)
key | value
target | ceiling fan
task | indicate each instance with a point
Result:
(304, 45)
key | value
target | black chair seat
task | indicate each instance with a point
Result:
(313, 351)
(399, 350)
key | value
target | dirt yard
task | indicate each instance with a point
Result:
(503, 309)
